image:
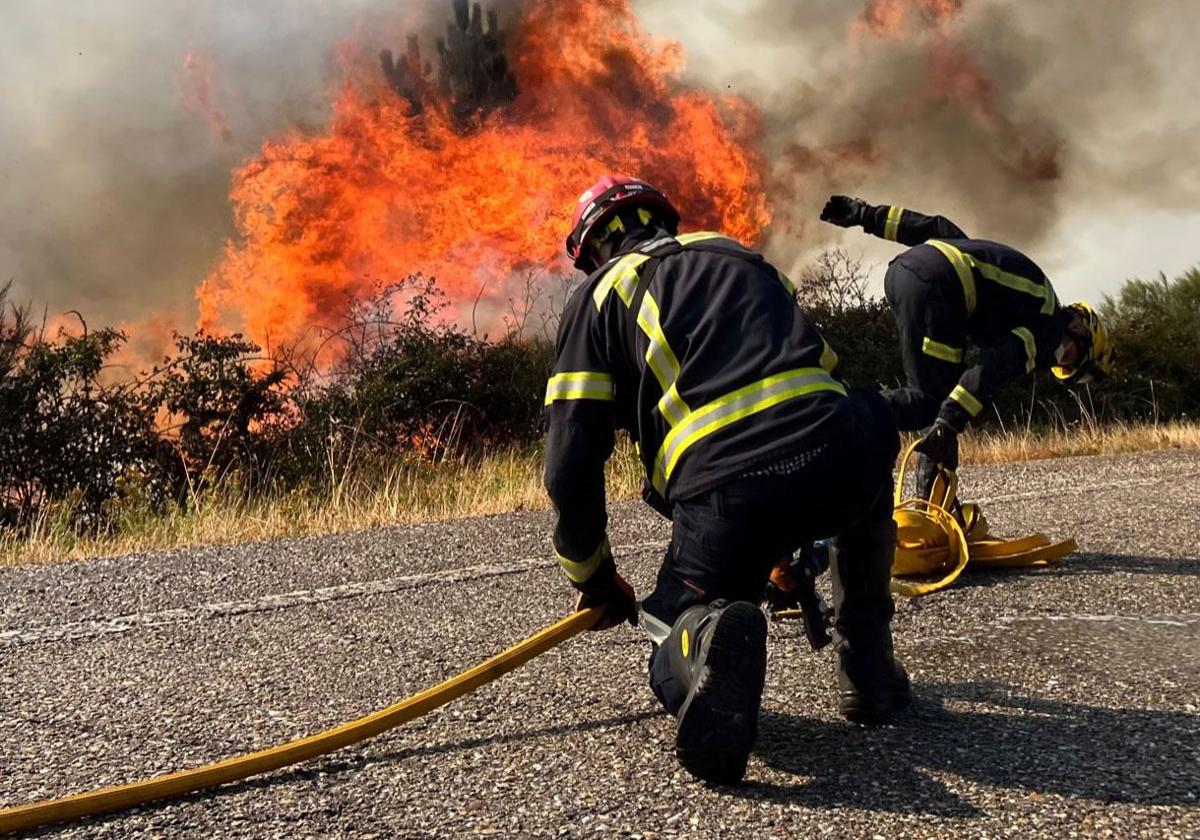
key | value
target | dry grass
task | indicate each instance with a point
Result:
(509, 481)
(1025, 445)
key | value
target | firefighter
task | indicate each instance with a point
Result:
(947, 290)
(694, 345)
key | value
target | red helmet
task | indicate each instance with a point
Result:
(604, 198)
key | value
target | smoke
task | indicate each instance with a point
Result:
(1022, 121)
(123, 121)
(1055, 126)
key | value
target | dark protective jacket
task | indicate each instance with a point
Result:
(695, 346)
(1009, 306)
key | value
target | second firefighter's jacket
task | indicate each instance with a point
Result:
(695, 346)
(1007, 303)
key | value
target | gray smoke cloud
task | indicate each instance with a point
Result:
(1066, 128)
(113, 189)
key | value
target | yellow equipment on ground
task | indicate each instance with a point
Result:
(939, 537)
(26, 817)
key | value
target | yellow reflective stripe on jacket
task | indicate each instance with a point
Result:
(661, 361)
(623, 277)
(941, 351)
(580, 385)
(1030, 347)
(1017, 283)
(829, 358)
(580, 572)
(788, 285)
(737, 405)
(698, 236)
(962, 267)
(892, 228)
(967, 400)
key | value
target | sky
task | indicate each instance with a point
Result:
(113, 190)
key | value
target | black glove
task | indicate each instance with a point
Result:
(844, 211)
(616, 596)
(939, 443)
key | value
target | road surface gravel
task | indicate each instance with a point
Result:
(1049, 703)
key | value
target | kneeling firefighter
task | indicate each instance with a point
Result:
(947, 290)
(696, 347)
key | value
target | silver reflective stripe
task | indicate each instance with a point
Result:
(580, 385)
(657, 630)
(737, 405)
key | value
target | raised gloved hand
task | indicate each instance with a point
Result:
(616, 596)
(940, 444)
(844, 211)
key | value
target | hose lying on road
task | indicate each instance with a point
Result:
(117, 798)
(939, 536)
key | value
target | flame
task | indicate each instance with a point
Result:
(389, 189)
(197, 94)
(890, 17)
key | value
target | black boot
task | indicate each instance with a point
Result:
(872, 684)
(719, 653)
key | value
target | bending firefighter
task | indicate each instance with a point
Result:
(947, 290)
(695, 346)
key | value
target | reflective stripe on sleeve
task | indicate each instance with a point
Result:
(962, 267)
(967, 400)
(829, 357)
(737, 405)
(788, 285)
(892, 228)
(580, 572)
(580, 385)
(941, 351)
(623, 277)
(1030, 347)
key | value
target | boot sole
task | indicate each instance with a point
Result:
(718, 722)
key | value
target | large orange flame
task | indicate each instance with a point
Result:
(383, 193)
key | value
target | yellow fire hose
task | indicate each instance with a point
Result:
(120, 797)
(939, 536)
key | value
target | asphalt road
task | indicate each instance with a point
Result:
(1052, 703)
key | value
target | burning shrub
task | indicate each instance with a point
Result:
(212, 386)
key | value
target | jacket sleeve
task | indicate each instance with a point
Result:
(1014, 354)
(579, 407)
(908, 227)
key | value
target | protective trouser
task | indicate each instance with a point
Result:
(725, 542)
(933, 338)
(872, 685)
